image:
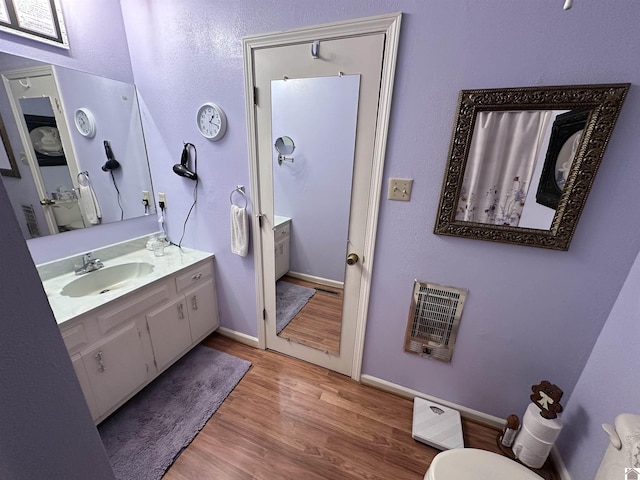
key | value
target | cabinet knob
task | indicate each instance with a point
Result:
(197, 276)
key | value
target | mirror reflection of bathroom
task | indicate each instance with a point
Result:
(50, 169)
(312, 197)
(540, 146)
(56, 163)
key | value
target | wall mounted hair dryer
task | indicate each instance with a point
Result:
(181, 168)
(111, 163)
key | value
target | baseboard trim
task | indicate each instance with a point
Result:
(238, 337)
(319, 280)
(405, 392)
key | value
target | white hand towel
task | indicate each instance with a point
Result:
(239, 231)
(88, 204)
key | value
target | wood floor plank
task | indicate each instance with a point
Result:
(288, 419)
(319, 324)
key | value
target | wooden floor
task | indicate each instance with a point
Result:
(319, 323)
(288, 419)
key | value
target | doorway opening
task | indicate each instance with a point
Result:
(362, 51)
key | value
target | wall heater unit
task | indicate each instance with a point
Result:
(433, 320)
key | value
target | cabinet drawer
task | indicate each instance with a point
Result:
(75, 338)
(194, 276)
(281, 231)
(140, 303)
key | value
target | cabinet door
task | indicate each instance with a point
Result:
(169, 331)
(81, 373)
(115, 367)
(282, 256)
(203, 310)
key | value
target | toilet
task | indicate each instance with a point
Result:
(474, 464)
(67, 214)
(622, 457)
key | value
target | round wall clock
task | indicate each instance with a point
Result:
(211, 121)
(85, 123)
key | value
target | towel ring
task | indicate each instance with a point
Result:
(240, 190)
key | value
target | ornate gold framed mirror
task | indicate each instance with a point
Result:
(522, 162)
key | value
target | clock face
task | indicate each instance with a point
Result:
(85, 122)
(211, 121)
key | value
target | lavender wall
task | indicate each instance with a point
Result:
(47, 430)
(608, 385)
(532, 314)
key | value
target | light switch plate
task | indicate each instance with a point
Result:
(400, 189)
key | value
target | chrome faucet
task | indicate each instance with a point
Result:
(89, 264)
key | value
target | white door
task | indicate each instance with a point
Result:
(363, 56)
(36, 88)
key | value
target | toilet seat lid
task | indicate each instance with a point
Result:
(474, 464)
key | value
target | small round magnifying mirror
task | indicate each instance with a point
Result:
(284, 146)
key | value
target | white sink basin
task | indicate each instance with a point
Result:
(106, 279)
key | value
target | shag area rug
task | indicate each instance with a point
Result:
(145, 436)
(290, 299)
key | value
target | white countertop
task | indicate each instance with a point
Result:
(65, 308)
(279, 220)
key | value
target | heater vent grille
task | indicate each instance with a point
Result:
(32, 222)
(433, 320)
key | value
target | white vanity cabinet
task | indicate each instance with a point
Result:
(83, 379)
(282, 240)
(116, 367)
(112, 368)
(179, 324)
(199, 303)
(169, 331)
(118, 348)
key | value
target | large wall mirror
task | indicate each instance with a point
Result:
(312, 183)
(57, 179)
(522, 162)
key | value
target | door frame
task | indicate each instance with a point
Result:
(389, 25)
(47, 72)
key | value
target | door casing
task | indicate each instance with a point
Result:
(389, 25)
(42, 82)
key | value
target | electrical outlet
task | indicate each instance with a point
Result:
(400, 189)
(162, 198)
(146, 196)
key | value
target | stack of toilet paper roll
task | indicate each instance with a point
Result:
(536, 437)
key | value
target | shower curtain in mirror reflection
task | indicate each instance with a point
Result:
(500, 165)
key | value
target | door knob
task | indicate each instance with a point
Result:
(352, 259)
(47, 201)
